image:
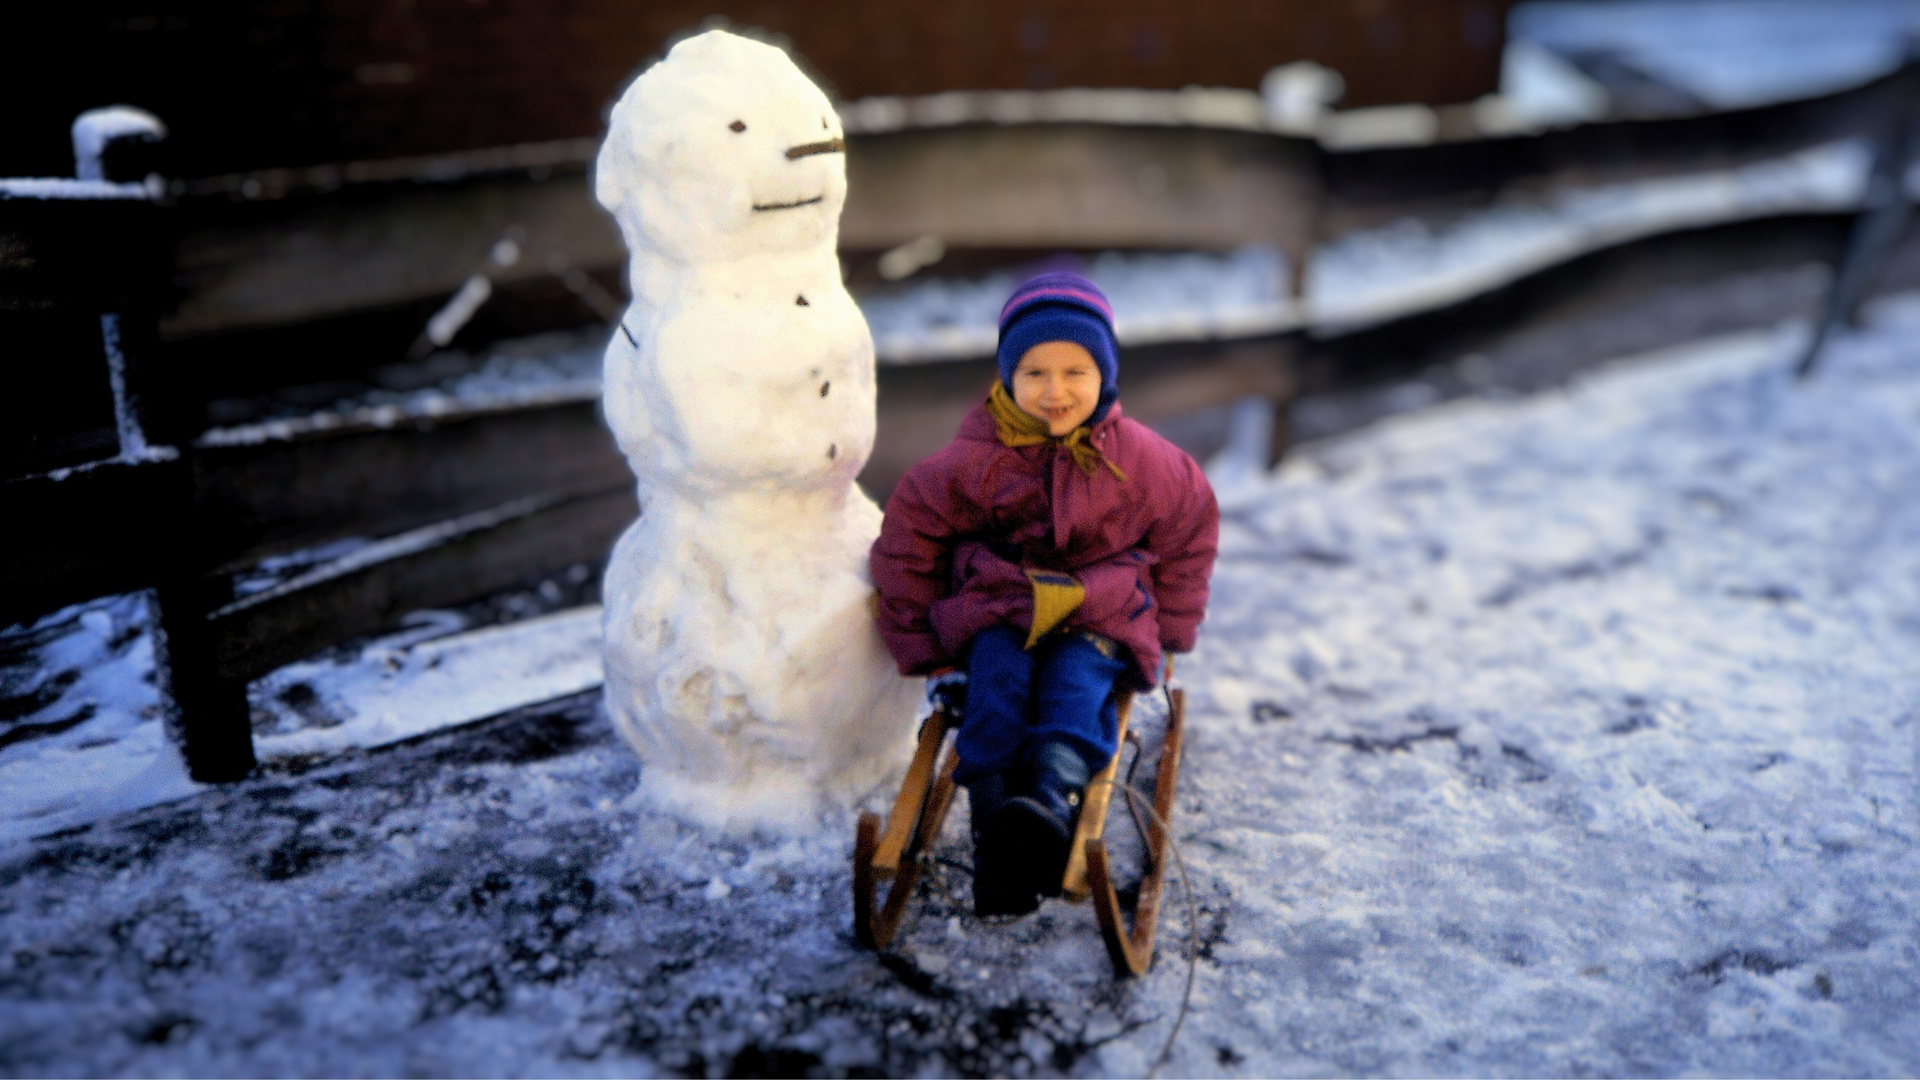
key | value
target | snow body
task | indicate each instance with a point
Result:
(742, 661)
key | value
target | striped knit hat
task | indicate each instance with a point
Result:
(1061, 306)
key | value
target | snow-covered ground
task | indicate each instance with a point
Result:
(1569, 734)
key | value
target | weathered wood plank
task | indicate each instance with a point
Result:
(442, 564)
(273, 264)
(279, 494)
(85, 532)
(1081, 186)
(1366, 187)
(89, 255)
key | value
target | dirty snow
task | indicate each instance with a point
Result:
(1569, 734)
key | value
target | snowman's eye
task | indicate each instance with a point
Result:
(823, 124)
(737, 125)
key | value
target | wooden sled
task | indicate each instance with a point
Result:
(895, 851)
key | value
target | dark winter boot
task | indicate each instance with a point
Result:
(998, 886)
(1037, 827)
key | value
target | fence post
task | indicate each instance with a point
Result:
(156, 414)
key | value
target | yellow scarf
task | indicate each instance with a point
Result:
(1055, 595)
(1016, 427)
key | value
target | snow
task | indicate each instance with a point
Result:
(1195, 106)
(1183, 296)
(133, 439)
(1566, 734)
(1543, 90)
(741, 657)
(94, 743)
(397, 689)
(59, 187)
(1731, 54)
(547, 369)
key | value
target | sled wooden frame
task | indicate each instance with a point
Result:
(895, 851)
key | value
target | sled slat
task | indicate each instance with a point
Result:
(913, 794)
(1131, 946)
(1093, 814)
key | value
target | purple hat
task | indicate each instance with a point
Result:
(1061, 306)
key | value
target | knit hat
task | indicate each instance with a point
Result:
(1061, 306)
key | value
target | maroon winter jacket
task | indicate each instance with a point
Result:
(963, 526)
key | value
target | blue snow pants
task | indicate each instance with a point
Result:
(1060, 690)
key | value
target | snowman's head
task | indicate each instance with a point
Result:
(721, 150)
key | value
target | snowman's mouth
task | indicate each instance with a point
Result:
(788, 205)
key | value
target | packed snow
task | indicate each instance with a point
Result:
(1576, 733)
(742, 660)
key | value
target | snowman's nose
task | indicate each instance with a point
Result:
(830, 146)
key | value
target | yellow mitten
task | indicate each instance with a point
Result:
(1055, 596)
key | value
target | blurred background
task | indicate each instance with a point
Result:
(310, 331)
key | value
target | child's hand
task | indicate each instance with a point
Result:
(947, 689)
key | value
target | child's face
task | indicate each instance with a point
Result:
(1059, 383)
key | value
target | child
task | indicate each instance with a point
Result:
(1053, 550)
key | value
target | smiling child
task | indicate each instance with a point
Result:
(1053, 552)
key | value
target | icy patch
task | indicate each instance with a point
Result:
(89, 742)
(398, 689)
(84, 735)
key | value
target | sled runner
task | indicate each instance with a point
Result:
(895, 852)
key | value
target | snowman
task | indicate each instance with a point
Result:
(742, 661)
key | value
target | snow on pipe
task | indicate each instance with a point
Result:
(96, 129)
